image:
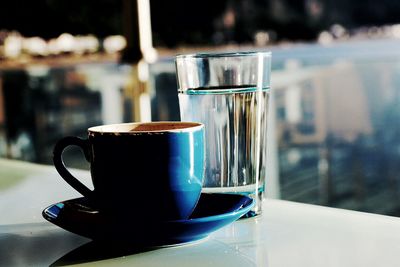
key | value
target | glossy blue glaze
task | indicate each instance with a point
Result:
(212, 212)
(186, 169)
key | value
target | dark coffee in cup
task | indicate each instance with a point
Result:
(154, 169)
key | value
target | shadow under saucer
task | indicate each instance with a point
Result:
(35, 244)
(97, 251)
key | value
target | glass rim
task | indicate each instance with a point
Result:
(223, 54)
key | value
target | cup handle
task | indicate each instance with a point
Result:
(62, 169)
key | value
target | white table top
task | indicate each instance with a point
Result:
(286, 234)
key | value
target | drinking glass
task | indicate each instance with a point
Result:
(229, 94)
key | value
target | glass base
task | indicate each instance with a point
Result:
(256, 195)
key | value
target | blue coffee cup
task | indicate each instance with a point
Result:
(154, 169)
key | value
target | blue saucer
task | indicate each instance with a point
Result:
(212, 212)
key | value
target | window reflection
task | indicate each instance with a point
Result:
(336, 112)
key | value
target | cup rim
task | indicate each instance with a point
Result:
(126, 128)
(224, 54)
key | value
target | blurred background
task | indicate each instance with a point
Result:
(335, 110)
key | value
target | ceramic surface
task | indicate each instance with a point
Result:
(162, 162)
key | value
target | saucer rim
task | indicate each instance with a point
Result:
(241, 210)
(200, 230)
